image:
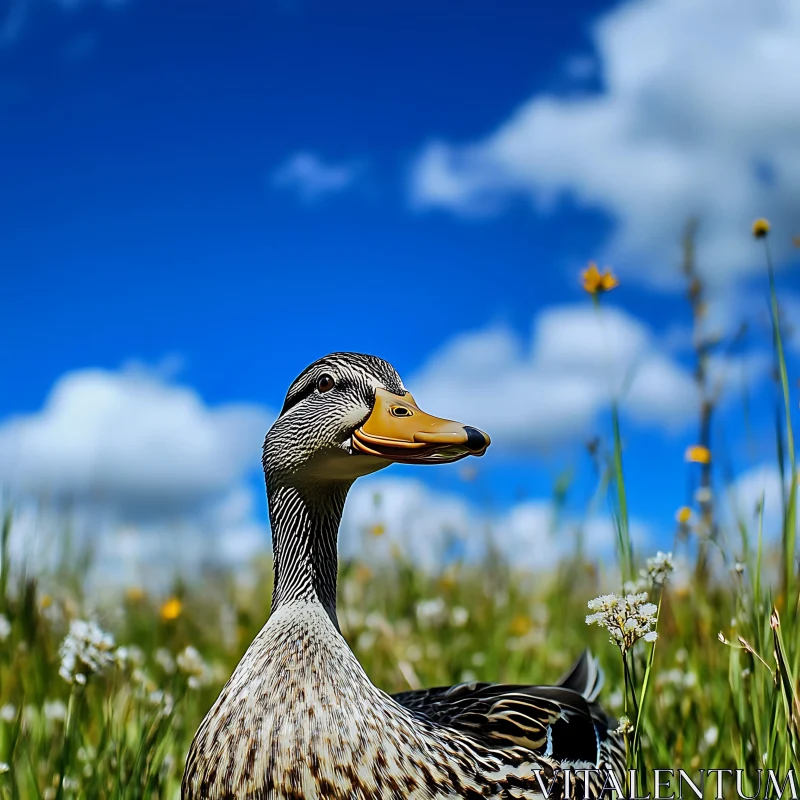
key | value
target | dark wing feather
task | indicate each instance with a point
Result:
(561, 722)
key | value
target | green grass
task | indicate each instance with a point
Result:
(710, 704)
(695, 701)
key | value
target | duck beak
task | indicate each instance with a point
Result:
(398, 430)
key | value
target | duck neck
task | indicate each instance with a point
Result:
(305, 525)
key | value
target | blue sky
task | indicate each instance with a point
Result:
(221, 193)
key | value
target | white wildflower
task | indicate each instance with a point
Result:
(130, 655)
(468, 676)
(478, 658)
(164, 659)
(86, 649)
(375, 621)
(30, 717)
(627, 618)
(625, 726)
(191, 663)
(739, 567)
(641, 584)
(459, 616)
(615, 699)
(711, 736)
(4, 767)
(85, 754)
(431, 612)
(413, 652)
(659, 568)
(678, 678)
(142, 680)
(162, 701)
(54, 710)
(672, 676)
(8, 713)
(366, 641)
(703, 495)
(5, 628)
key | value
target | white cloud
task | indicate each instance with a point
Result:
(143, 474)
(552, 391)
(312, 179)
(131, 443)
(147, 551)
(432, 527)
(428, 527)
(759, 484)
(698, 116)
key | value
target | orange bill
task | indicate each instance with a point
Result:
(398, 430)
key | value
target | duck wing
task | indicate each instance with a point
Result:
(561, 722)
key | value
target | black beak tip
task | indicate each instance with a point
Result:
(476, 441)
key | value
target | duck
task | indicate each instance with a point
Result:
(299, 717)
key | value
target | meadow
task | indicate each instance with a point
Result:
(100, 699)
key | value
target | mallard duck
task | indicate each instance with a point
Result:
(299, 717)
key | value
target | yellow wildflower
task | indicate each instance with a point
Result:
(683, 515)
(596, 282)
(760, 228)
(697, 454)
(378, 529)
(45, 601)
(171, 609)
(363, 573)
(135, 594)
(520, 625)
(447, 582)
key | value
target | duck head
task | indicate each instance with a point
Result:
(348, 415)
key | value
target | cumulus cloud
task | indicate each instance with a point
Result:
(147, 551)
(130, 442)
(432, 528)
(698, 116)
(757, 486)
(312, 179)
(552, 390)
(146, 476)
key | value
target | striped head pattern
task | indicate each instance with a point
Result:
(349, 414)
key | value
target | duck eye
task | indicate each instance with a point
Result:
(325, 383)
(401, 411)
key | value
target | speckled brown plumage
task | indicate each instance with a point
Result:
(299, 718)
